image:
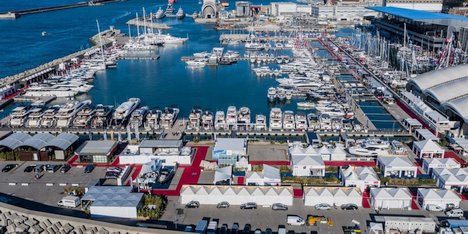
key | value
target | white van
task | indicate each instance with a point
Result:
(69, 201)
(432, 207)
(454, 213)
(295, 220)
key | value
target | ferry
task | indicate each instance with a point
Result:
(276, 119)
(125, 109)
(68, 111)
(168, 117)
(220, 121)
(102, 116)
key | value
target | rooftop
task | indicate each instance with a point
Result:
(96, 148)
(161, 144)
(237, 144)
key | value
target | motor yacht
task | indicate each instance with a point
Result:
(194, 120)
(271, 95)
(123, 112)
(35, 118)
(68, 111)
(207, 120)
(168, 117)
(231, 117)
(220, 121)
(372, 147)
(180, 13)
(301, 121)
(288, 120)
(276, 119)
(84, 116)
(152, 120)
(243, 119)
(19, 115)
(260, 123)
(102, 116)
(48, 119)
(138, 117)
(159, 14)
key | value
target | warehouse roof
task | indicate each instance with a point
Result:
(161, 144)
(63, 140)
(96, 148)
(14, 140)
(237, 144)
(38, 141)
(423, 16)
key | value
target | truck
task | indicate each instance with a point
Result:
(201, 226)
(69, 201)
(212, 226)
(314, 220)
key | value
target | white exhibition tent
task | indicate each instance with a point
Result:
(361, 177)
(223, 174)
(430, 164)
(390, 198)
(440, 197)
(268, 176)
(397, 166)
(428, 149)
(308, 166)
(236, 195)
(448, 178)
(336, 153)
(113, 201)
(332, 196)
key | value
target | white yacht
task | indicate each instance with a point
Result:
(34, 118)
(276, 119)
(207, 120)
(288, 120)
(243, 119)
(102, 116)
(220, 121)
(305, 105)
(198, 63)
(194, 120)
(48, 119)
(301, 122)
(19, 115)
(168, 117)
(125, 109)
(138, 117)
(231, 117)
(45, 90)
(260, 123)
(372, 147)
(180, 13)
(168, 39)
(271, 95)
(84, 116)
(160, 14)
(325, 122)
(202, 54)
(152, 120)
(68, 111)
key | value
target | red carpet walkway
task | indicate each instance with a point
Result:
(365, 199)
(190, 175)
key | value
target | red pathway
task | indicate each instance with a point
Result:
(298, 193)
(451, 154)
(414, 203)
(189, 176)
(365, 199)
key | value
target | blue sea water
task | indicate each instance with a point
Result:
(159, 83)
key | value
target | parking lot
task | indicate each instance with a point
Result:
(49, 187)
(265, 217)
(265, 151)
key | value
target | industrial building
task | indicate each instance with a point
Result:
(332, 196)
(445, 89)
(97, 151)
(236, 195)
(40, 147)
(342, 13)
(113, 201)
(428, 29)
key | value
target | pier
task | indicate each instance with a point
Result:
(149, 57)
(16, 14)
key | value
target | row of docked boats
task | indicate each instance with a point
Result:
(74, 78)
(257, 45)
(82, 114)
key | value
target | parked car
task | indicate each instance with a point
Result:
(268, 231)
(112, 174)
(249, 205)
(281, 229)
(89, 168)
(52, 168)
(234, 228)
(247, 229)
(224, 229)
(29, 168)
(432, 207)
(295, 220)
(258, 231)
(65, 168)
(39, 168)
(349, 206)
(279, 206)
(192, 204)
(455, 213)
(9, 167)
(223, 204)
(115, 169)
(322, 206)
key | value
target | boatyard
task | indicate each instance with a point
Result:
(219, 117)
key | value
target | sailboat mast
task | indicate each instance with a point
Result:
(100, 40)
